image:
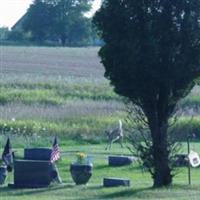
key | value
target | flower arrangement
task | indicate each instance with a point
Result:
(81, 170)
(81, 158)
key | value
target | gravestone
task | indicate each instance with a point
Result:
(32, 173)
(37, 154)
(120, 160)
(114, 182)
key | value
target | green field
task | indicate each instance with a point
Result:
(62, 91)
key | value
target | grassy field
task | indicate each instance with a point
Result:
(62, 91)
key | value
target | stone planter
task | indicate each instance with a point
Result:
(81, 173)
(3, 174)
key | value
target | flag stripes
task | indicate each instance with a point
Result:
(55, 154)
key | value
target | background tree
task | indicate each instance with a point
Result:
(4, 31)
(69, 23)
(38, 20)
(61, 19)
(152, 56)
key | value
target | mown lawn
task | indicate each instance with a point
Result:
(140, 180)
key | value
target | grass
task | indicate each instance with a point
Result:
(140, 181)
(55, 94)
(62, 91)
(51, 87)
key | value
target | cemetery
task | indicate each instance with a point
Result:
(115, 121)
(114, 170)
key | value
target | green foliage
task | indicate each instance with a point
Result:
(134, 53)
(17, 35)
(192, 101)
(3, 33)
(38, 21)
(186, 126)
(152, 56)
(59, 20)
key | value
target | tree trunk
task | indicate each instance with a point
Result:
(162, 176)
(162, 172)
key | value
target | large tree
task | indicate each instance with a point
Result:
(61, 19)
(152, 56)
(69, 22)
(38, 20)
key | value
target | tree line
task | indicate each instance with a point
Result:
(56, 21)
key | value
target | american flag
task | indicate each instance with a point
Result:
(55, 154)
(7, 155)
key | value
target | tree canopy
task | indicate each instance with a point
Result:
(152, 56)
(62, 19)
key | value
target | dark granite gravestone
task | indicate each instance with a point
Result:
(114, 182)
(120, 160)
(35, 170)
(37, 154)
(32, 173)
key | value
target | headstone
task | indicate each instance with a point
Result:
(32, 173)
(37, 154)
(120, 160)
(114, 182)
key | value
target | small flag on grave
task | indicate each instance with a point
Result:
(7, 155)
(55, 154)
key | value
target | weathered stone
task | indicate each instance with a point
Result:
(113, 182)
(120, 160)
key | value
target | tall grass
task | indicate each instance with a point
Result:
(57, 94)
(63, 90)
(89, 129)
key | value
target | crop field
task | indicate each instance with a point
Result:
(62, 91)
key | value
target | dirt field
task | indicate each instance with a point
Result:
(78, 62)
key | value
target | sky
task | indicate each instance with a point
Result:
(12, 10)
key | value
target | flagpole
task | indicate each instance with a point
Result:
(189, 170)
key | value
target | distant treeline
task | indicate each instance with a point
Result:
(53, 22)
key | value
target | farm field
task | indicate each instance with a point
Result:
(43, 87)
(62, 91)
